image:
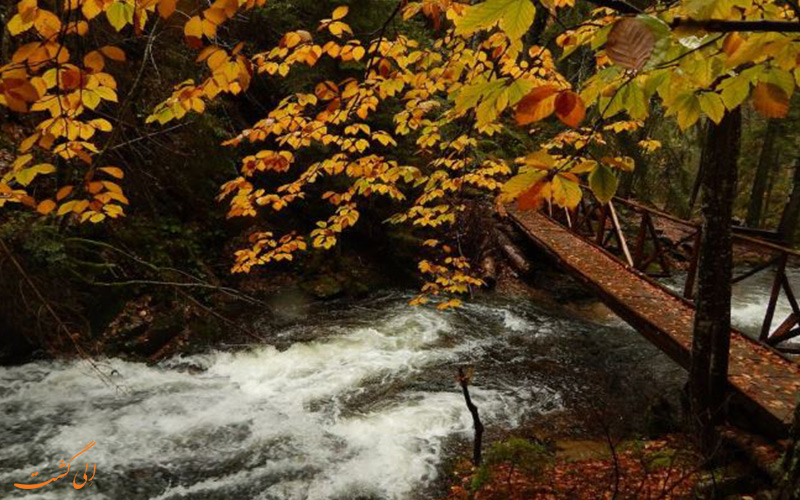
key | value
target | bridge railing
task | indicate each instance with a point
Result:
(601, 223)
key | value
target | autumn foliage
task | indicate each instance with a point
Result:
(479, 78)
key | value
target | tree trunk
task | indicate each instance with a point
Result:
(712, 323)
(789, 227)
(699, 177)
(766, 162)
(774, 174)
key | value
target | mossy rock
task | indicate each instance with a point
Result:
(325, 286)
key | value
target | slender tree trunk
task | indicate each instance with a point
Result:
(789, 227)
(699, 177)
(712, 323)
(773, 176)
(766, 162)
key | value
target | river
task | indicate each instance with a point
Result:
(353, 400)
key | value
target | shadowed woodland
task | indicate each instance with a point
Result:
(173, 172)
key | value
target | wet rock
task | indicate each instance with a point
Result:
(132, 322)
(660, 418)
(323, 287)
(163, 328)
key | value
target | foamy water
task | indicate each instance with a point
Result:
(352, 414)
(751, 297)
(366, 409)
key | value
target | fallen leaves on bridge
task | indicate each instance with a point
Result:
(768, 381)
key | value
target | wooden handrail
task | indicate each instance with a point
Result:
(741, 237)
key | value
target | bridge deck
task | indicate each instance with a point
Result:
(763, 377)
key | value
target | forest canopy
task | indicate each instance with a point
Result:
(429, 109)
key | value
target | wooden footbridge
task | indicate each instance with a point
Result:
(590, 244)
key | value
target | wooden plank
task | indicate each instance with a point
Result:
(784, 332)
(758, 233)
(655, 211)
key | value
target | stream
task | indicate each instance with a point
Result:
(352, 400)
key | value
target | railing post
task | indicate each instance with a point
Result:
(620, 235)
(773, 299)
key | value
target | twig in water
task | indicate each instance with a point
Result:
(463, 380)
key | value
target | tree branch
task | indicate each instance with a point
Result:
(724, 26)
(713, 25)
(620, 6)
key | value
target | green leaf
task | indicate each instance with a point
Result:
(470, 95)
(712, 105)
(634, 101)
(520, 183)
(603, 183)
(27, 175)
(780, 78)
(517, 90)
(120, 14)
(566, 193)
(686, 106)
(734, 91)
(514, 16)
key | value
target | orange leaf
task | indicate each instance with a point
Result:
(570, 108)
(46, 206)
(215, 15)
(113, 53)
(63, 192)
(732, 42)
(166, 7)
(538, 104)
(194, 32)
(770, 100)
(113, 171)
(531, 198)
(630, 43)
(95, 61)
(326, 90)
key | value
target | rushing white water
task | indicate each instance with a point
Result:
(751, 297)
(361, 404)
